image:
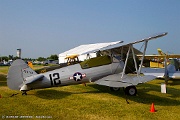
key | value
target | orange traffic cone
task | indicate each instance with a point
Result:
(152, 108)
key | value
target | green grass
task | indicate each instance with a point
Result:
(4, 69)
(92, 102)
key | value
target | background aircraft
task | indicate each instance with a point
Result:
(107, 69)
(170, 66)
(161, 55)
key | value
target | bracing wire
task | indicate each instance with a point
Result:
(142, 46)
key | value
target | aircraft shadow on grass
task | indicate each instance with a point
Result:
(58, 94)
(173, 82)
(144, 97)
(52, 94)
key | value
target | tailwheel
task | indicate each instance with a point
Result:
(131, 90)
(24, 93)
(114, 88)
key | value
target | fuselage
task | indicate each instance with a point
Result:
(75, 74)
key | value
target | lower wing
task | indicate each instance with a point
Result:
(115, 80)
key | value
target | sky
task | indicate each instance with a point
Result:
(44, 27)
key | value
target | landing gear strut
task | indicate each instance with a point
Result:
(24, 93)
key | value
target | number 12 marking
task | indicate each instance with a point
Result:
(54, 78)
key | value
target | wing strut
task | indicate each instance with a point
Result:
(145, 46)
(135, 63)
(125, 64)
(166, 76)
(122, 57)
(134, 58)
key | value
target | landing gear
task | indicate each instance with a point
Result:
(24, 93)
(114, 88)
(131, 90)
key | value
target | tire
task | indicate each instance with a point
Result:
(131, 90)
(114, 88)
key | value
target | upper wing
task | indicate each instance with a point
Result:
(115, 80)
(151, 56)
(90, 48)
(150, 38)
(160, 56)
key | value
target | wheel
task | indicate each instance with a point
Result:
(114, 88)
(131, 90)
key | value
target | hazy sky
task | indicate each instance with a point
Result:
(45, 27)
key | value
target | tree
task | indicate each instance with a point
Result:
(4, 58)
(41, 59)
(53, 57)
(11, 57)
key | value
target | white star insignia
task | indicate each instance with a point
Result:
(78, 77)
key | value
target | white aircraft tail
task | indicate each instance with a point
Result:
(18, 71)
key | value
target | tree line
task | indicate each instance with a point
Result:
(11, 57)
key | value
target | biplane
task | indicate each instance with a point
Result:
(170, 69)
(107, 68)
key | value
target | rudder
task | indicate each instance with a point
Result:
(17, 73)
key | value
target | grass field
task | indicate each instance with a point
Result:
(92, 102)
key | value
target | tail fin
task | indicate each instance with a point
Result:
(17, 73)
(160, 52)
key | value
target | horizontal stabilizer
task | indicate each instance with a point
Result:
(160, 72)
(127, 80)
(31, 79)
(175, 75)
